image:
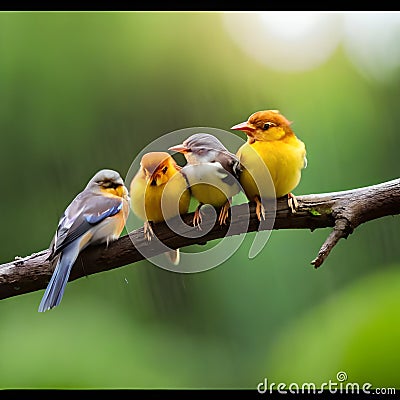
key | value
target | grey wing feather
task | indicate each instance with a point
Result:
(74, 222)
(230, 178)
(230, 163)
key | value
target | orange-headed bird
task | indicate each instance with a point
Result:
(270, 140)
(159, 192)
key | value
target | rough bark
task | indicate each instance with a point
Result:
(343, 211)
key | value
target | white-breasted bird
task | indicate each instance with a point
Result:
(95, 215)
(212, 172)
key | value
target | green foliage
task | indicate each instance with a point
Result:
(355, 331)
(315, 212)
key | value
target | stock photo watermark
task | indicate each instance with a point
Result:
(340, 385)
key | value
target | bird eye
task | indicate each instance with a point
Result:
(268, 125)
(109, 184)
(164, 170)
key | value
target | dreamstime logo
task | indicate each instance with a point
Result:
(341, 385)
(204, 257)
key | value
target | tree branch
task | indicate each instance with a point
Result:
(343, 211)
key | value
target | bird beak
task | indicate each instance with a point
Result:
(179, 148)
(243, 127)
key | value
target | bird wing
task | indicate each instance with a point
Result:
(230, 162)
(85, 211)
(227, 174)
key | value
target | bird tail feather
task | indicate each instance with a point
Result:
(173, 256)
(55, 289)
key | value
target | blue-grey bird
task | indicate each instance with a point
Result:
(212, 172)
(96, 215)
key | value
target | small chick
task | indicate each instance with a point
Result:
(212, 173)
(159, 177)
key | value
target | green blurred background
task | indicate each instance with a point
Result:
(82, 91)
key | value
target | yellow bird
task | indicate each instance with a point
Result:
(272, 142)
(212, 173)
(159, 192)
